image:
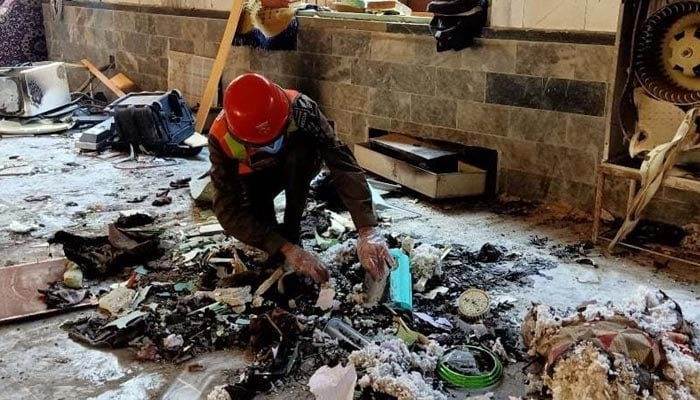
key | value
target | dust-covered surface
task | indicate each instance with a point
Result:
(521, 265)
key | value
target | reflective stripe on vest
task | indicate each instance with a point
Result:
(236, 150)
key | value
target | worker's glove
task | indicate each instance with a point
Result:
(305, 263)
(374, 253)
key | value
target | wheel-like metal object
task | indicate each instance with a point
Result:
(667, 57)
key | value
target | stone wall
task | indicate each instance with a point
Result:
(536, 98)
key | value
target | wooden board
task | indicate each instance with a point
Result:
(468, 181)
(19, 285)
(102, 78)
(340, 7)
(674, 182)
(219, 64)
(385, 5)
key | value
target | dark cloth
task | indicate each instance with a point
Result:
(285, 40)
(244, 203)
(455, 32)
(21, 32)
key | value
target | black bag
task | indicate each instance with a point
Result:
(154, 122)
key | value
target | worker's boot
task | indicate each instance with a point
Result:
(455, 7)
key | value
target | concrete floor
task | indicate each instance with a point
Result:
(39, 361)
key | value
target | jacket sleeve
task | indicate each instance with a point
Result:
(232, 204)
(349, 179)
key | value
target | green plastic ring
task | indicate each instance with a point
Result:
(483, 381)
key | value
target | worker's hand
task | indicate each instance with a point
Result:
(305, 263)
(373, 252)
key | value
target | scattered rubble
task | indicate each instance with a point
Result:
(184, 294)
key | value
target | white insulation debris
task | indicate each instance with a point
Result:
(340, 254)
(682, 369)
(654, 312)
(590, 372)
(386, 369)
(219, 393)
(584, 375)
(425, 261)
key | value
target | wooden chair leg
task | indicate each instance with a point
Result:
(598, 206)
(632, 193)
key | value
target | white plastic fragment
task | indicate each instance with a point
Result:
(18, 227)
(337, 383)
(173, 342)
(325, 298)
(431, 295)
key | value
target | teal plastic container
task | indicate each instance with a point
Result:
(400, 282)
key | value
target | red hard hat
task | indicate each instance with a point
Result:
(256, 109)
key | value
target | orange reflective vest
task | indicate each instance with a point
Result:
(234, 148)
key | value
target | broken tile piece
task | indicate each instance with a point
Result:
(117, 301)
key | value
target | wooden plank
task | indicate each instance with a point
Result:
(631, 194)
(381, 4)
(632, 173)
(19, 285)
(105, 81)
(219, 63)
(598, 206)
(469, 181)
(670, 257)
(385, 5)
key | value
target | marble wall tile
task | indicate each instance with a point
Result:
(538, 125)
(563, 95)
(412, 78)
(462, 85)
(387, 103)
(482, 118)
(433, 111)
(351, 44)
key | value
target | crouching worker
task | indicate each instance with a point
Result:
(268, 139)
